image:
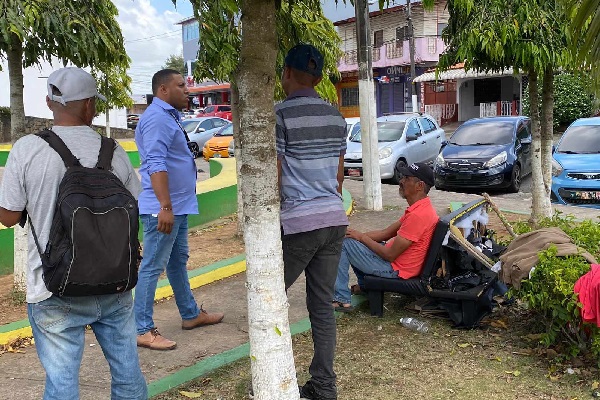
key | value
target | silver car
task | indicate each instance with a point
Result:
(201, 129)
(403, 139)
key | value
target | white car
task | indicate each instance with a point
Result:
(201, 129)
(403, 139)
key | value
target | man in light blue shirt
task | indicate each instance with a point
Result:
(168, 195)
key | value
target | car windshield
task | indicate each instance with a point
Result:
(388, 131)
(226, 131)
(483, 133)
(189, 126)
(584, 139)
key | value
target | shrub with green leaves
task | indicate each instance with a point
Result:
(4, 111)
(549, 292)
(572, 99)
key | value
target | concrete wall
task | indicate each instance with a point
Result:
(35, 124)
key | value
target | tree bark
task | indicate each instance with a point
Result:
(368, 123)
(235, 120)
(272, 361)
(14, 56)
(547, 131)
(539, 207)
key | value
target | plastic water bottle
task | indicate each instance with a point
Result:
(415, 324)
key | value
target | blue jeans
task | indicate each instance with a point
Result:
(58, 325)
(160, 251)
(363, 262)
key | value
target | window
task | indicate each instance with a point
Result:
(350, 97)
(402, 34)
(440, 28)
(378, 38)
(523, 132)
(209, 109)
(224, 108)
(206, 125)
(413, 128)
(427, 124)
(191, 31)
(219, 122)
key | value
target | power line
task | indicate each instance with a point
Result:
(161, 35)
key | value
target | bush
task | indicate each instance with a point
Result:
(572, 99)
(4, 111)
(549, 292)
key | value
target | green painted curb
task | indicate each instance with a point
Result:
(217, 361)
(24, 323)
(3, 157)
(7, 244)
(134, 158)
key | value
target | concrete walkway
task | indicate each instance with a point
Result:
(22, 376)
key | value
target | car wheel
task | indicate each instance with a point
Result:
(515, 182)
(396, 177)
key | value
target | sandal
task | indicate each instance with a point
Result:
(355, 289)
(340, 307)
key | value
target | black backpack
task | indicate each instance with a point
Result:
(93, 247)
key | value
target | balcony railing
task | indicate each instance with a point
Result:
(351, 57)
(394, 50)
(376, 54)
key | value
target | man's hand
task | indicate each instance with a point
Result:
(354, 234)
(165, 221)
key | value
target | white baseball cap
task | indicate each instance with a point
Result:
(73, 84)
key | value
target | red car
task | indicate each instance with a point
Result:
(219, 110)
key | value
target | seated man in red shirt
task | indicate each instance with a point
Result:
(407, 240)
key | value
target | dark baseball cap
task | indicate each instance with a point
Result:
(418, 170)
(300, 56)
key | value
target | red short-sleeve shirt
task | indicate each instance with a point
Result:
(417, 225)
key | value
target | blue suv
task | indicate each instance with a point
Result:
(576, 165)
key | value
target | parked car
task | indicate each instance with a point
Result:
(352, 126)
(576, 165)
(403, 139)
(132, 120)
(231, 149)
(220, 110)
(199, 130)
(217, 145)
(486, 153)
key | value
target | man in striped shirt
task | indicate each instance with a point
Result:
(311, 142)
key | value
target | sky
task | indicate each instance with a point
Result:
(151, 34)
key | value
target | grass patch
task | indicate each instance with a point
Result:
(379, 359)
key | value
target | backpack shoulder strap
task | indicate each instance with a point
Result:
(57, 144)
(107, 149)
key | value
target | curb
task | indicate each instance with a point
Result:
(212, 363)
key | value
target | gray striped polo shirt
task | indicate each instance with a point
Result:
(310, 137)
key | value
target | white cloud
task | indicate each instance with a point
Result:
(150, 37)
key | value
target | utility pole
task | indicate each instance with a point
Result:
(368, 123)
(412, 91)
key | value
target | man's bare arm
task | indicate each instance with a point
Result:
(387, 253)
(340, 174)
(9, 218)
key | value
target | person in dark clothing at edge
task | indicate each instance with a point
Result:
(311, 143)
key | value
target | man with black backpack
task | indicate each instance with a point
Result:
(78, 190)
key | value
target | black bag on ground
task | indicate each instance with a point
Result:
(93, 247)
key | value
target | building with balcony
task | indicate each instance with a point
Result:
(201, 93)
(391, 55)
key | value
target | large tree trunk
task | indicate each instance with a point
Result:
(539, 201)
(273, 372)
(547, 131)
(14, 57)
(235, 120)
(368, 115)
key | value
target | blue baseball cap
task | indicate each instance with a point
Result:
(300, 56)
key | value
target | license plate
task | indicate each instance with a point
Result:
(585, 195)
(353, 172)
(217, 155)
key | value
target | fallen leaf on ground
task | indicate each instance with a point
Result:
(463, 345)
(191, 395)
(595, 385)
(513, 373)
(499, 324)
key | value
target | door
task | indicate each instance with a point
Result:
(524, 145)
(433, 135)
(416, 144)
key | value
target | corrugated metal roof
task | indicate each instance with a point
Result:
(461, 74)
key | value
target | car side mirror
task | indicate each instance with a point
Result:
(444, 144)
(411, 137)
(553, 148)
(199, 130)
